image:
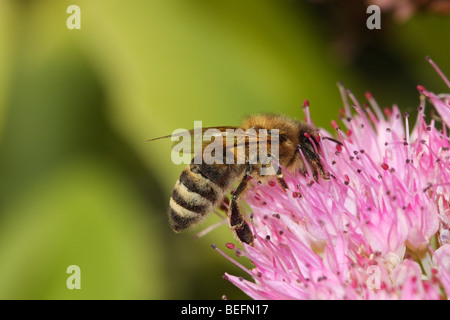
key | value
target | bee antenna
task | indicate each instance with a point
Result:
(334, 140)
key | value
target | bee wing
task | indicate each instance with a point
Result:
(235, 141)
(197, 135)
(254, 142)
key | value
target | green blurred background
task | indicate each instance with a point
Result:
(80, 184)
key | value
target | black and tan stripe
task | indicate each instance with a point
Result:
(196, 183)
(191, 200)
(193, 197)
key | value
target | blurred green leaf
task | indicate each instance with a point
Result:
(87, 215)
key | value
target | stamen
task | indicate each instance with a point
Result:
(307, 135)
(209, 229)
(230, 259)
(406, 115)
(230, 245)
(343, 92)
(374, 105)
(334, 125)
(308, 168)
(439, 72)
(306, 110)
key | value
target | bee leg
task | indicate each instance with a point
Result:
(281, 181)
(319, 170)
(237, 221)
(325, 175)
(225, 204)
(315, 163)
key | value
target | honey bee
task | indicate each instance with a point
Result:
(202, 186)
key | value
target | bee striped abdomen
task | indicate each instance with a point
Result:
(193, 197)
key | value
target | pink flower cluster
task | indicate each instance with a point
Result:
(378, 229)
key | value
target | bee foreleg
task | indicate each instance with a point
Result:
(317, 166)
(280, 180)
(237, 221)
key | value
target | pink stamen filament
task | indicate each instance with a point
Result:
(231, 259)
(439, 72)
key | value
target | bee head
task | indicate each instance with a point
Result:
(309, 145)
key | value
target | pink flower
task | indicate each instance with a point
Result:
(378, 229)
